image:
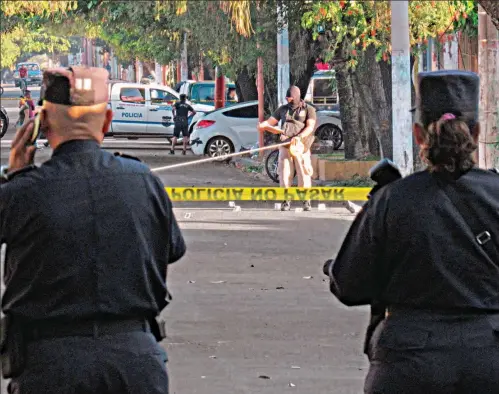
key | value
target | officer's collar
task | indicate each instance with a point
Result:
(74, 146)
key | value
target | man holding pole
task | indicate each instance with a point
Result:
(298, 125)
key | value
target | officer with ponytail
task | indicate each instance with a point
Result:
(426, 248)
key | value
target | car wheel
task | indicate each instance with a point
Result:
(4, 125)
(219, 146)
(331, 132)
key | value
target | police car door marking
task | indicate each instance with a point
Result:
(132, 115)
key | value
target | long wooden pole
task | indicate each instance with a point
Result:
(261, 101)
(488, 69)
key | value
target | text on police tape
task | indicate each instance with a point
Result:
(267, 193)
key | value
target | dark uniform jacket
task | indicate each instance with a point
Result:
(182, 111)
(411, 247)
(88, 234)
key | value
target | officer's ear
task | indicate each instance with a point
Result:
(107, 121)
(475, 132)
(418, 133)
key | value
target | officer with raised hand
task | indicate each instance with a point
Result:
(89, 236)
(425, 248)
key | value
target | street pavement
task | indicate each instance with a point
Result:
(13, 93)
(251, 310)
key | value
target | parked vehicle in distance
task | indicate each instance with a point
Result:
(145, 110)
(4, 122)
(203, 92)
(34, 74)
(147, 80)
(232, 129)
(322, 91)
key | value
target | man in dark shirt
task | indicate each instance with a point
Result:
(298, 122)
(181, 111)
(426, 247)
(89, 238)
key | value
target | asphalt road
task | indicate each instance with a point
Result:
(251, 310)
(11, 92)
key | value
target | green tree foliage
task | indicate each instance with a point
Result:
(365, 23)
(21, 41)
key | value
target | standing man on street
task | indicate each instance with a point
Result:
(298, 120)
(89, 238)
(181, 112)
(23, 74)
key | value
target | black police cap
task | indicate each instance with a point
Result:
(448, 91)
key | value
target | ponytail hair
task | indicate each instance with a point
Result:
(448, 145)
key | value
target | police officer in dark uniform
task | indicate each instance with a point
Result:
(89, 236)
(181, 110)
(426, 248)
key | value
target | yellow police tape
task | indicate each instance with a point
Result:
(267, 193)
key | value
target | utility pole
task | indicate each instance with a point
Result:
(219, 88)
(401, 87)
(157, 71)
(488, 59)
(139, 70)
(184, 73)
(177, 69)
(261, 101)
(283, 81)
(201, 68)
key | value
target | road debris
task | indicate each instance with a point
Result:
(351, 207)
(307, 277)
(264, 377)
(216, 282)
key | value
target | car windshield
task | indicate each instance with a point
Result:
(206, 92)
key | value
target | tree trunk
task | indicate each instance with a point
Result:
(303, 80)
(491, 7)
(349, 113)
(303, 51)
(270, 95)
(246, 86)
(368, 83)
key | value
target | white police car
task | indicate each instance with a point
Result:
(145, 110)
